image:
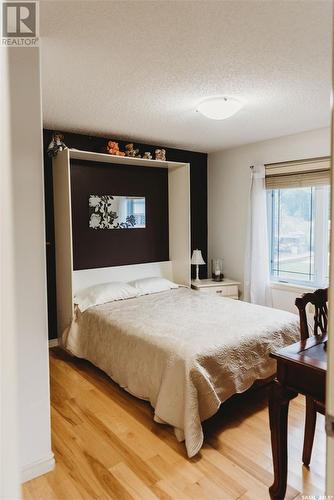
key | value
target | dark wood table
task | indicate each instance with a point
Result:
(301, 369)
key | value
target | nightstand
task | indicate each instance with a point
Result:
(226, 288)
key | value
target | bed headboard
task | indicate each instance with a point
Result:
(88, 277)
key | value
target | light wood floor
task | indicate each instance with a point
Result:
(107, 446)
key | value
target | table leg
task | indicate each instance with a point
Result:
(310, 423)
(278, 415)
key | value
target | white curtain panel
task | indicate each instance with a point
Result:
(257, 274)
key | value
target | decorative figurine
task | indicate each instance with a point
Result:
(56, 144)
(147, 155)
(131, 152)
(160, 154)
(113, 149)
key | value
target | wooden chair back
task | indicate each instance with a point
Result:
(319, 300)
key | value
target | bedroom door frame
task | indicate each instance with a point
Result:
(9, 390)
(330, 348)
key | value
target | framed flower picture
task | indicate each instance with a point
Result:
(116, 212)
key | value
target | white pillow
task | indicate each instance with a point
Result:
(105, 292)
(152, 285)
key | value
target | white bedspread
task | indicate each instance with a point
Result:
(184, 351)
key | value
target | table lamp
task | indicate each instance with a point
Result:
(197, 260)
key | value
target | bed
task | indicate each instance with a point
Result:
(183, 351)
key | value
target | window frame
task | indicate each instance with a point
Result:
(321, 213)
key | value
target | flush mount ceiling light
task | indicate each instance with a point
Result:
(219, 108)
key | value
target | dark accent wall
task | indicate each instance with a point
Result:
(94, 248)
(198, 197)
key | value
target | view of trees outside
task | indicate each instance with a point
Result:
(293, 230)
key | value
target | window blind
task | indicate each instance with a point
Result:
(302, 173)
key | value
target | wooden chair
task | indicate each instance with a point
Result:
(319, 300)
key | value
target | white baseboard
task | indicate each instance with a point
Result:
(37, 468)
(53, 343)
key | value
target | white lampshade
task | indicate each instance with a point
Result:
(197, 258)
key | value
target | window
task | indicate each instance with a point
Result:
(298, 220)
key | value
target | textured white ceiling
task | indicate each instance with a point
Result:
(136, 69)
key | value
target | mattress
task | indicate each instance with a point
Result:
(183, 351)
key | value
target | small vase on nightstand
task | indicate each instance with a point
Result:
(217, 269)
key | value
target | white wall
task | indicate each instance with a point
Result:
(25, 130)
(228, 190)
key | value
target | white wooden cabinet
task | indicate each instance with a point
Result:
(226, 288)
(177, 268)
